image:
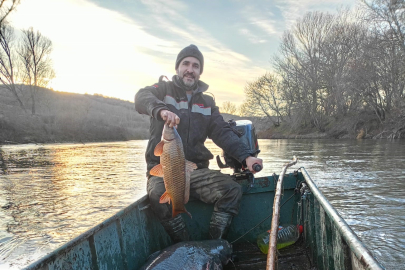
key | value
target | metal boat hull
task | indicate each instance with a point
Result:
(125, 240)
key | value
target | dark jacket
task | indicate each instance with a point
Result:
(199, 119)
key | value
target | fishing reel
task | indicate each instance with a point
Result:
(247, 133)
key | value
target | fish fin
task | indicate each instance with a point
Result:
(176, 212)
(157, 170)
(159, 149)
(190, 166)
(165, 198)
(188, 213)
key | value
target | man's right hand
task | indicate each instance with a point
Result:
(170, 118)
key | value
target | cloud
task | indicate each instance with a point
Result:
(169, 7)
(225, 70)
(255, 39)
(258, 24)
(272, 18)
(292, 10)
(115, 53)
(266, 25)
(96, 50)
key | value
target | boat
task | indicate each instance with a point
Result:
(128, 238)
(125, 240)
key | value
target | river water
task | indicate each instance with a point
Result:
(51, 193)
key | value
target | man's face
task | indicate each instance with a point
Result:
(189, 70)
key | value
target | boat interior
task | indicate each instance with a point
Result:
(255, 218)
(127, 239)
(247, 256)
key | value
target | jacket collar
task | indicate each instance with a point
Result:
(202, 86)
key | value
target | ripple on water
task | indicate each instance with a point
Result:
(54, 192)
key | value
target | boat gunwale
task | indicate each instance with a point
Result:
(356, 245)
(358, 248)
(65, 248)
(266, 184)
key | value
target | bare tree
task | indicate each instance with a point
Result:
(6, 6)
(385, 55)
(342, 50)
(263, 98)
(8, 61)
(300, 62)
(334, 67)
(388, 18)
(320, 61)
(35, 51)
(228, 107)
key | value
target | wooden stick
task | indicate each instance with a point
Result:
(272, 253)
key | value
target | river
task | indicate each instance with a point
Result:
(51, 193)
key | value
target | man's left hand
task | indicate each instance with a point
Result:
(250, 161)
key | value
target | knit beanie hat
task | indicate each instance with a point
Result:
(193, 51)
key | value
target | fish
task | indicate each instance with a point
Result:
(205, 254)
(174, 169)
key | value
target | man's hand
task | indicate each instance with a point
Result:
(250, 161)
(170, 118)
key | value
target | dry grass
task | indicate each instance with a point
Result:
(68, 117)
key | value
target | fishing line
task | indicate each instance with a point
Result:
(261, 221)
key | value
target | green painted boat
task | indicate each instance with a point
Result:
(125, 240)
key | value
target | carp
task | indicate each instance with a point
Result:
(174, 169)
(206, 254)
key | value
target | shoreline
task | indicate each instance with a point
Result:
(312, 136)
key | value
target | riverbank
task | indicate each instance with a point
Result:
(387, 134)
(364, 126)
(62, 117)
(76, 118)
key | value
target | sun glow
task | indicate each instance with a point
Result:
(95, 50)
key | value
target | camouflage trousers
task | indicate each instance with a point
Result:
(209, 186)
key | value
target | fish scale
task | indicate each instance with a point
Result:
(174, 169)
(173, 163)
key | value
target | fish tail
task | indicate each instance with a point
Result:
(175, 212)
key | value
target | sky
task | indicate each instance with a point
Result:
(116, 47)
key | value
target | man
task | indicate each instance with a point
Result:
(181, 103)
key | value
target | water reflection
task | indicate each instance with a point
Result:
(51, 193)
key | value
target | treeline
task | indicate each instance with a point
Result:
(25, 58)
(341, 74)
(68, 117)
(30, 113)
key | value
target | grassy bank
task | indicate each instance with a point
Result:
(68, 117)
(361, 126)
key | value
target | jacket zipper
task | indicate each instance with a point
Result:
(189, 122)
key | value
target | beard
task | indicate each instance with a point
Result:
(188, 82)
(189, 79)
